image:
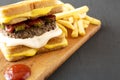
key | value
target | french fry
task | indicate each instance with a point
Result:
(76, 17)
(63, 29)
(81, 30)
(69, 6)
(66, 24)
(71, 20)
(65, 9)
(82, 15)
(80, 10)
(75, 31)
(86, 23)
(93, 20)
(76, 20)
(66, 19)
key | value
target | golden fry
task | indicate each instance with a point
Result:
(63, 29)
(82, 15)
(76, 17)
(81, 30)
(66, 19)
(65, 9)
(93, 20)
(69, 6)
(66, 24)
(86, 23)
(80, 10)
(75, 31)
(71, 20)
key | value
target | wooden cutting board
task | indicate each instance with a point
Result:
(43, 65)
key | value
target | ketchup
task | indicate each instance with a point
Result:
(9, 28)
(17, 72)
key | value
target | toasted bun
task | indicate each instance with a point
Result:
(26, 6)
(61, 40)
(56, 9)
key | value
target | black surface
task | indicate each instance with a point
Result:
(99, 57)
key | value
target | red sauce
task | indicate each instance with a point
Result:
(17, 72)
(9, 29)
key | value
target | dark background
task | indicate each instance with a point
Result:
(99, 57)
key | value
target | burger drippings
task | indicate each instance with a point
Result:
(30, 28)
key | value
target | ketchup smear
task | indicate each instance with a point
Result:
(17, 72)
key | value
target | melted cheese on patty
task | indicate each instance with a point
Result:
(35, 42)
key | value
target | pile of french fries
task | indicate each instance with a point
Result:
(76, 20)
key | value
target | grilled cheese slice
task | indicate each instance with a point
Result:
(32, 52)
(29, 52)
(19, 52)
(28, 15)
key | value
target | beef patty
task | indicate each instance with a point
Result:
(30, 28)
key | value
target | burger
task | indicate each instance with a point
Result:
(29, 27)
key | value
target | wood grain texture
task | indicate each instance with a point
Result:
(43, 65)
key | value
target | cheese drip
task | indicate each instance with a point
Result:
(35, 42)
(32, 52)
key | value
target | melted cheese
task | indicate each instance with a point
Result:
(52, 46)
(35, 42)
(29, 52)
(31, 14)
(32, 52)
